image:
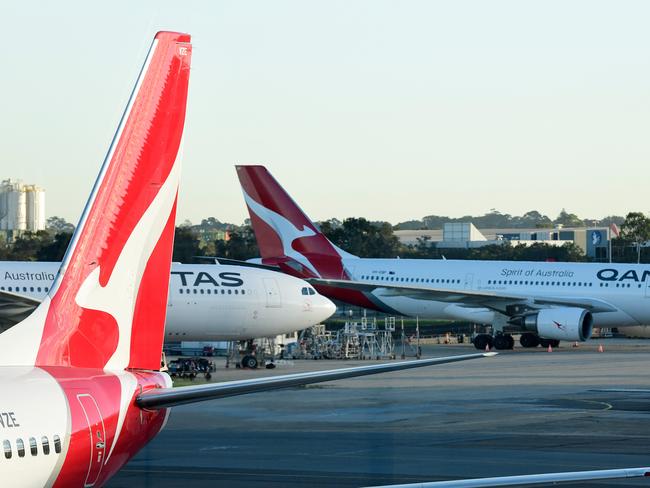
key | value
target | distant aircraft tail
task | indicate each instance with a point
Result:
(285, 235)
(107, 306)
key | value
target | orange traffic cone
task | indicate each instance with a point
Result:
(600, 348)
(550, 349)
(487, 347)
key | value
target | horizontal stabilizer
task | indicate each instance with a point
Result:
(533, 479)
(169, 397)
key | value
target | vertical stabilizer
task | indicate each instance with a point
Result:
(285, 235)
(107, 306)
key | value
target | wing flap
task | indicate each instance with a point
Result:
(169, 397)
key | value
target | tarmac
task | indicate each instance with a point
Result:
(521, 412)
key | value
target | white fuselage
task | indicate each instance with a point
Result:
(624, 286)
(208, 302)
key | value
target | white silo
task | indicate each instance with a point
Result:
(35, 208)
(17, 208)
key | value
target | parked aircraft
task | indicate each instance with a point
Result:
(81, 388)
(547, 302)
(207, 302)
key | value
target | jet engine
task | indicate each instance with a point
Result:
(566, 323)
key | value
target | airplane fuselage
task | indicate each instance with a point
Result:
(207, 302)
(82, 429)
(626, 287)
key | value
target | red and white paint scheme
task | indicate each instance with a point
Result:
(547, 302)
(69, 373)
(80, 381)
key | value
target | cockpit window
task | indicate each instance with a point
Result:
(305, 291)
(312, 291)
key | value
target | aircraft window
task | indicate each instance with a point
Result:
(312, 291)
(7, 448)
(304, 291)
(202, 291)
(47, 289)
(180, 290)
(2, 287)
(229, 292)
(24, 288)
(579, 284)
(223, 292)
(616, 285)
(447, 281)
(243, 292)
(639, 286)
(31, 288)
(46, 445)
(39, 288)
(20, 447)
(195, 291)
(236, 292)
(33, 446)
(57, 444)
(590, 284)
(9, 288)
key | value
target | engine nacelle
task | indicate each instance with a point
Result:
(566, 323)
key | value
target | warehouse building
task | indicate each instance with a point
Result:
(594, 241)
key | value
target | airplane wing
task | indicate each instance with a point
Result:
(489, 299)
(169, 397)
(14, 307)
(533, 479)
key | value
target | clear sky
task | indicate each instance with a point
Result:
(384, 109)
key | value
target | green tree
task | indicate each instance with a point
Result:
(568, 220)
(58, 224)
(186, 245)
(363, 238)
(636, 229)
(54, 250)
(241, 245)
(26, 246)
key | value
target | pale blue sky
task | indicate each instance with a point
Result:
(384, 109)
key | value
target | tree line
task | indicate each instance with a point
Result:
(357, 236)
(497, 220)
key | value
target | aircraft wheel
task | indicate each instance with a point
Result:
(528, 339)
(249, 362)
(503, 341)
(482, 340)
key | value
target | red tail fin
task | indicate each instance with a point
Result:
(107, 306)
(285, 235)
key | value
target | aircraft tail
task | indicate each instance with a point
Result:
(107, 306)
(285, 235)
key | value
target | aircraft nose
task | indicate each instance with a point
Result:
(323, 308)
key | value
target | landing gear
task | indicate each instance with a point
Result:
(483, 340)
(504, 341)
(549, 342)
(249, 362)
(528, 339)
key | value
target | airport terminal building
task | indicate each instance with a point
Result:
(594, 241)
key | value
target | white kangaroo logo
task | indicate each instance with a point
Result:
(285, 230)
